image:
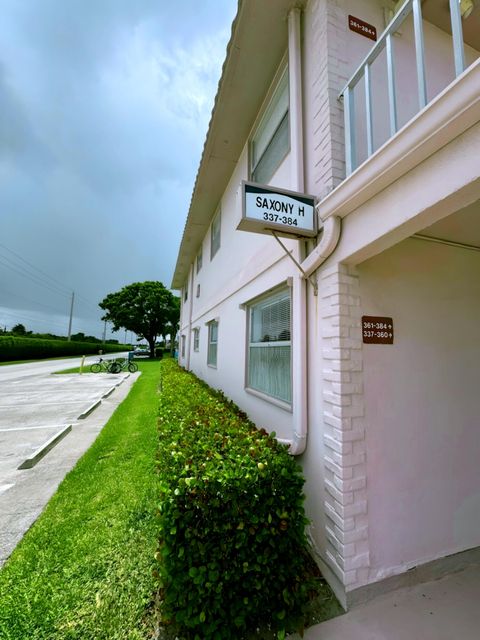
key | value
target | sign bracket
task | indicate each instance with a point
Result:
(297, 264)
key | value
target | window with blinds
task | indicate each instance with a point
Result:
(269, 349)
(271, 141)
(212, 343)
(215, 234)
(196, 339)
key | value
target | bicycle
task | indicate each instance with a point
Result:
(103, 365)
(122, 365)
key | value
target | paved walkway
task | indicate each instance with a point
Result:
(31, 410)
(445, 609)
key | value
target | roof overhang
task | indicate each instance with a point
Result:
(258, 42)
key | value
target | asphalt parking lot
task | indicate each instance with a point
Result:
(33, 410)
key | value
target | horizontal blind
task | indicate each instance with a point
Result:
(270, 319)
(274, 114)
(269, 357)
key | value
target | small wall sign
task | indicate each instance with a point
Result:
(361, 27)
(267, 208)
(377, 330)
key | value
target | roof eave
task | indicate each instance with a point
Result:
(259, 32)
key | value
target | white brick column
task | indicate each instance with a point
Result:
(326, 72)
(344, 426)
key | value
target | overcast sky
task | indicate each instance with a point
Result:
(104, 108)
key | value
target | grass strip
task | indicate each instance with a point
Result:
(84, 570)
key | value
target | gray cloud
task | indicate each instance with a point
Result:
(105, 105)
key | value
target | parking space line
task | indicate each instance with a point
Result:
(42, 404)
(44, 426)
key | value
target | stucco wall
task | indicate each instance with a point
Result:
(422, 405)
(246, 266)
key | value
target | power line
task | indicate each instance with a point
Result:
(55, 285)
(61, 284)
(22, 272)
(41, 304)
(21, 316)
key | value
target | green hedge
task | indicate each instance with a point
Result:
(13, 348)
(232, 546)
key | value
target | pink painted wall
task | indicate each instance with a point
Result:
(422, 405)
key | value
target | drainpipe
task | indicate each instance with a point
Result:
(188, 337)
(295, 98)
(299, 368)
(328, 243)
(330, 237)
(299, 298)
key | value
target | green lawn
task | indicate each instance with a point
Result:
(84, 570)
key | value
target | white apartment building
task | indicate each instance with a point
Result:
(362, 353)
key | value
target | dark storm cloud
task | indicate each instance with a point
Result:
(105, 105)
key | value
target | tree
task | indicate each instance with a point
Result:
(19, 330)
(142, 307)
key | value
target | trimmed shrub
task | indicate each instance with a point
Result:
(14, 348)
(232, 546)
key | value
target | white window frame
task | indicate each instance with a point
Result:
(271, 130)
(183, 344)
(199, 258)
(212, 350)
(215, 233)
(282, 398)
(196, 338)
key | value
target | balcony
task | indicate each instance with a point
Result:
(424, 49)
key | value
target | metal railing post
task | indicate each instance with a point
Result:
(392, 101)
(368, 110)
(349, 115)
(419, 53)
(457, 35)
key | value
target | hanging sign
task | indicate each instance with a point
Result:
(377, 330)
(267, 208)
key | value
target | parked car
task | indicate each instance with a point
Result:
(141, 351)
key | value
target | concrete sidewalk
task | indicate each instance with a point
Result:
(25, 493)
(445, 609)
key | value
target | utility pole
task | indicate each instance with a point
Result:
(71, 316)
(104, 331)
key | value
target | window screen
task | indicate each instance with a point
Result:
(215, 235)
(269, 350)
(212, 343)
(271, 141)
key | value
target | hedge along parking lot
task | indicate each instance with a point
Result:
(89, 567)
(233, 557)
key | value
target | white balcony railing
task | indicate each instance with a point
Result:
(385, 43)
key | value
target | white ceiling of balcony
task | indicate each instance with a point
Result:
(438, 13)
(462, 226)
